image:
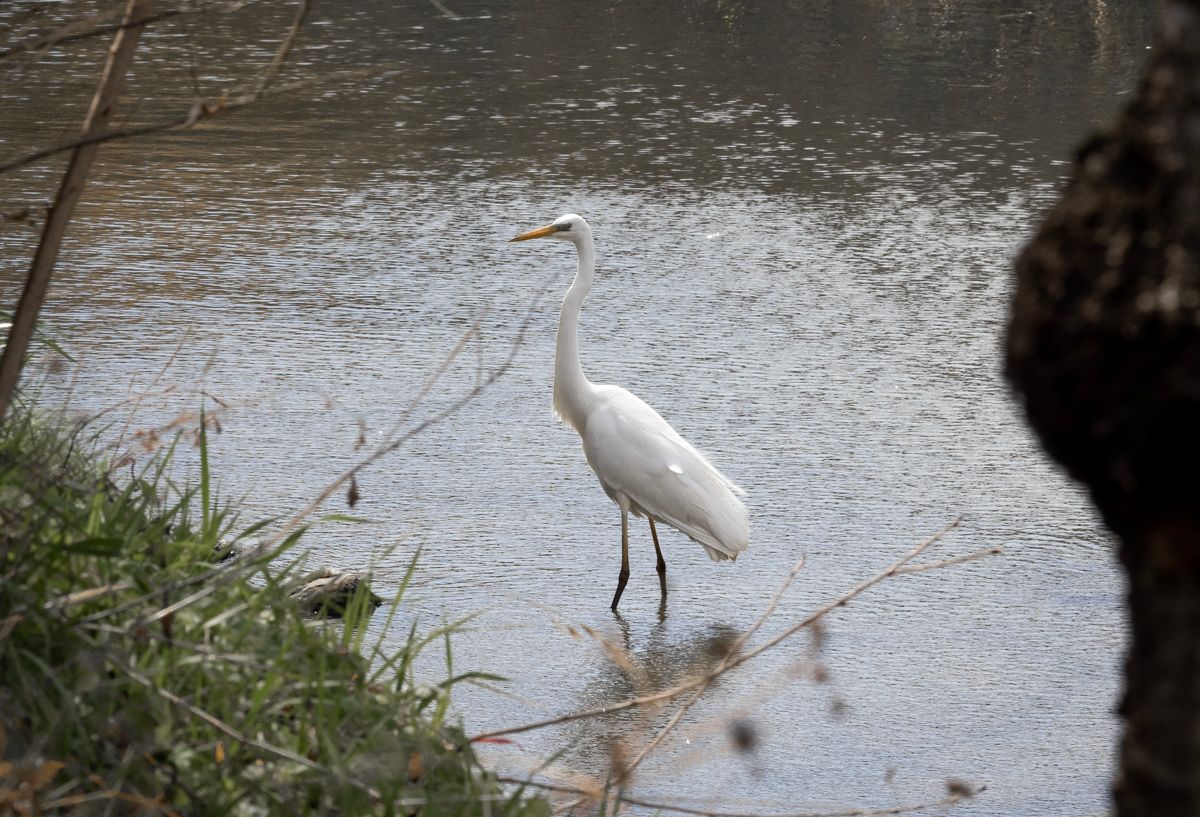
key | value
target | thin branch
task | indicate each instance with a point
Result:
(21, 18)
(447, 13)
(214, 721)
(138, 398)
(201, 652)
(436, 375)
(716, 673)
(284, 48)
(693, 683)
(199, 112)
(265, 549)
(101, 24)
(892, 570)
(949, 800)
(397, 442)
(953, 560)
(108, 90)
(226, 729)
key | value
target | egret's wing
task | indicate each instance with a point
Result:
(635, 452)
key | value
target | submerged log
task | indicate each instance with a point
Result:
(329, 592)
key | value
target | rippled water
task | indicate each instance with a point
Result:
(806, 216)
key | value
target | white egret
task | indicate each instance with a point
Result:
(643, 464)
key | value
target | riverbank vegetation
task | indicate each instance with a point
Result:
(143, 674)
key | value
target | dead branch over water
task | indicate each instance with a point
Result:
(107, 23)
(957, 792)
(622, 772)
(732, 662)
(120, 55)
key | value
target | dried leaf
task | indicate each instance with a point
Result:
(40, 777)
(959, 788)
(352, 493)
(416, 766)
(219, 752)
(744, 734)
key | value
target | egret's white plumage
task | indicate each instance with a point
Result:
(643, 464)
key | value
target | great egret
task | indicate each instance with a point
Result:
(643, 464)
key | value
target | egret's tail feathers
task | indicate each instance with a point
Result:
(718, 555)
(723, 535)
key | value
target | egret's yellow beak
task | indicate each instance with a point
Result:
(540, 232)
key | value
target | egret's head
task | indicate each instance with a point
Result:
(564, 228)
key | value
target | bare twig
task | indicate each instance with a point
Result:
(21, 18)
(892, 570)
(202, 653)
(120, 55)
(675, 691)
(949, 800)
(396, 442)
(138, 398)
(716, 673)
(953, 560)
(284, 48)
(200, 111)
(447, 13)
(23, 216)
(213, 720)
(269, 545)
(102, 24)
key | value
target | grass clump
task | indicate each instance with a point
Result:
(137, 675)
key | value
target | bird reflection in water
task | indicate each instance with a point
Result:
(659, 662)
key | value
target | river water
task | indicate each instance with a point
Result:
(806, 215)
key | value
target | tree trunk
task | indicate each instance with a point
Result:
(1104, 348)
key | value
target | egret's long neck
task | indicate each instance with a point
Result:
(572, 391)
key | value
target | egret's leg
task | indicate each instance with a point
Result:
(662, 563)
(624, 574)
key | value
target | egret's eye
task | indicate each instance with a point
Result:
(562, 228)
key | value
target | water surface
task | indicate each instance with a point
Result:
(806, 215)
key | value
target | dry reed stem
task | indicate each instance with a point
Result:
(225, 728)
(138, 398)
(80, 596)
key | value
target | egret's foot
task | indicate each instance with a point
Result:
(622, 578)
